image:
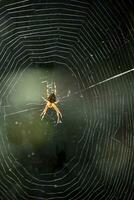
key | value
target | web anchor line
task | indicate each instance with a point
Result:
(99, 83)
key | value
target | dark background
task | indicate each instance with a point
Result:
(87, 49)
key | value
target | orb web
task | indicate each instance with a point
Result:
(87, 49)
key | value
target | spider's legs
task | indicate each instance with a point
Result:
(43, 115)
(55, 88)
(44, 112)
(58, 113)
(58, 118)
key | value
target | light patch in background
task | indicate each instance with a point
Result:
(41, 142)
(28, 88)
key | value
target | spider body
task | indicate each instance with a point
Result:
(52, 98)
(51, 103)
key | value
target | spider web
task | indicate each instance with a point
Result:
(94, 43)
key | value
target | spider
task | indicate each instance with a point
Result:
(52, 104)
